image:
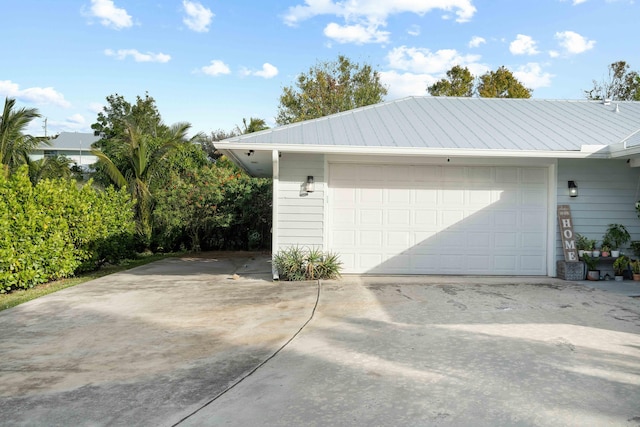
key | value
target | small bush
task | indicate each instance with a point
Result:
(296, 264)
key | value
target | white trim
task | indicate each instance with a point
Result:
(325, 214)
(552, 202)
(275, 158)
(410, 151)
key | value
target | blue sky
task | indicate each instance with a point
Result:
(214, 62)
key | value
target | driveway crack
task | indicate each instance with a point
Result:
(260, 365)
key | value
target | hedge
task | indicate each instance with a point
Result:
(56, 228)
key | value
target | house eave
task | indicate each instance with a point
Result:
(410, 151)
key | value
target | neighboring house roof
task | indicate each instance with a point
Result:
(71, 141)
(447, 125)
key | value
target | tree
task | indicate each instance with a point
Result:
(328, 88)
(623, 85)
(15, 146)
(50, 168)
(255, 125)
(112, 121)
(493, 84)
(142, 154)
(501, 84)
(459, 82)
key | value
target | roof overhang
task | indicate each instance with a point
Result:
(256, 159)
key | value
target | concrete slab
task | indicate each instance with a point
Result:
(449, 351)
(143, 346)
(178, 343)
(628, 288)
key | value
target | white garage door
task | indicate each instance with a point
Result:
(389, 219)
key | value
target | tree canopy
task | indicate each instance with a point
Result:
(500, 83)
(15, 145)
(459, 82)
(622, 85)
(328, 88)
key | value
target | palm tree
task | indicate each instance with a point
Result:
(50, 168)
(15, 146)
(135, 163)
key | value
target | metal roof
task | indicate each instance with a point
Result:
(424, 125)
(71, 141)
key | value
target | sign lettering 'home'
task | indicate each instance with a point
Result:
(565, 222)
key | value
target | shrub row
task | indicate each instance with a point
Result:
(56, 228)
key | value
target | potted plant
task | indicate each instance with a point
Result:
(592, 264)
(635, 267)
(605, 250)
(582, 244)
(594, 252)
(619, 266)
(618, 236)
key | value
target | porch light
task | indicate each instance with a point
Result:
(309, 187)
(573, 189)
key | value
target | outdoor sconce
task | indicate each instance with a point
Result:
(573, 189)
(309, 187)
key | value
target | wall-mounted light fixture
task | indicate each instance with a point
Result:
(309, 187)
(573, 189)
(250, 153)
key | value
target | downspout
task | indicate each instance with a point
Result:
(275, 158)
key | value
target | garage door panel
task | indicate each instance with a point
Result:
(371, 216)
(426, 196)
(370, 238)
(439, 219)
(534, 175)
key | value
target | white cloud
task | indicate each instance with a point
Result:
(138, 56)
(268, 71)
(216, 68)
(414, 69)
(422, 60)
(573, 43)
(476, 41)
(35, 95)
(532, 76)
(198, 17)
(357, 34)
(95, 107)
(405, 84)
(110, 15)
(523, 45)
(554, 53)
(76, 119)
(363, 18)
(414, 30)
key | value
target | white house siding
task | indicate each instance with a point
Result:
(607, 192)
(300, 217)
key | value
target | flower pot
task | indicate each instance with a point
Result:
(605, 254)
(619, 278)
(636, 277)
(595, 254)
(615, 254)
(580, 253)
(593, 275)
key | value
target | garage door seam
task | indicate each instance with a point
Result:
(264, 362)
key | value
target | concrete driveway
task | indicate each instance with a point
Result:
(164, 344)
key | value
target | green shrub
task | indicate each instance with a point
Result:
(296, 264)
(53, 229)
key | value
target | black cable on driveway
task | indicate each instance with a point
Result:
(223, 392)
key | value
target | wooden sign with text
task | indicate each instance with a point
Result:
(565, 222)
